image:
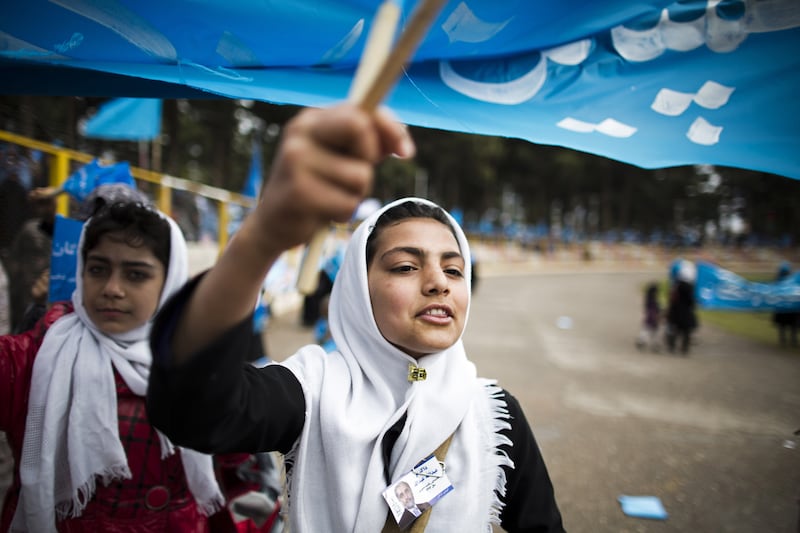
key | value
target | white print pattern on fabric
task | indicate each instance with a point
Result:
(355, 394)
(72, 431)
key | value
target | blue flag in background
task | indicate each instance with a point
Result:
(126, 119)
(718, 288)
(252, 186)
(81, 182)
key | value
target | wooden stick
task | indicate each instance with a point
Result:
(423, 16)
(376, 50)
(308, 278)
(378, 71)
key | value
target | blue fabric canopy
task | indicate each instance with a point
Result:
(654, 83)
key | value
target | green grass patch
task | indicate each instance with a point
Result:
(757, 326)
(747, 324)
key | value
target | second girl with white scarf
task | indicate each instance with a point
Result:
(72, 391)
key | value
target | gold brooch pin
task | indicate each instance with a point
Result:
(416, 373)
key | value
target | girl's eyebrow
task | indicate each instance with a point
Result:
(128, 264)
(417, 252)
(451, 255)
(411, 250)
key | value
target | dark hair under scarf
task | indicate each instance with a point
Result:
(138, 224)
(405, 210)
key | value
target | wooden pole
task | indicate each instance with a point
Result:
(378, 71)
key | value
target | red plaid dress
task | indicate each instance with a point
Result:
(155, 499)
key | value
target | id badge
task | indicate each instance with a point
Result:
(416, 491)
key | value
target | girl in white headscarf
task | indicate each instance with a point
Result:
(86, 457)
(399, 386)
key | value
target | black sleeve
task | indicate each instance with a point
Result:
(530, 503)
(216, 402)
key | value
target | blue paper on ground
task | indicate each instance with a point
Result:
(643, 507)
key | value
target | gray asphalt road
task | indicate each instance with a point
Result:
(709, 434)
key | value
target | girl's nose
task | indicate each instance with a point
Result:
(436, 281)
(113, 288)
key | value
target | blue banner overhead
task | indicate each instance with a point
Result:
(655, 83)
(717, 288)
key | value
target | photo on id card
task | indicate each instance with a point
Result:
(416, 491)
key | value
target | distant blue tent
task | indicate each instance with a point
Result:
(126, 119)
(655, 83)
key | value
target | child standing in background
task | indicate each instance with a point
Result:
(648, 335)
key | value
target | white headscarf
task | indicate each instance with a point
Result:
(355, 394)
(72, 430)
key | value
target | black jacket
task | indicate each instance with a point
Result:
(217, 403)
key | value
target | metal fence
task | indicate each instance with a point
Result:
(61, 160)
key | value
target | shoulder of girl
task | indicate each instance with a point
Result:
(56, 311)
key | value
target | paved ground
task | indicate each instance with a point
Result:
(710, 434)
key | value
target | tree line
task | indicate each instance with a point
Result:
(492, 180)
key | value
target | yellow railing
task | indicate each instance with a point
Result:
(60, 171)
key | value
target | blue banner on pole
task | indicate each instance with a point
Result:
(64, 258)
(126, 119)
(721, 289)
(252, 185)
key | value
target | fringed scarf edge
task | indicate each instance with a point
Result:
(498, 458)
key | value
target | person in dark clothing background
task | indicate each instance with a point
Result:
(14, 207)
(681, 315)
(28, 262)
(787, 322)
(651, 321)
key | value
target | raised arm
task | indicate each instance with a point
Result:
(322, 171)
